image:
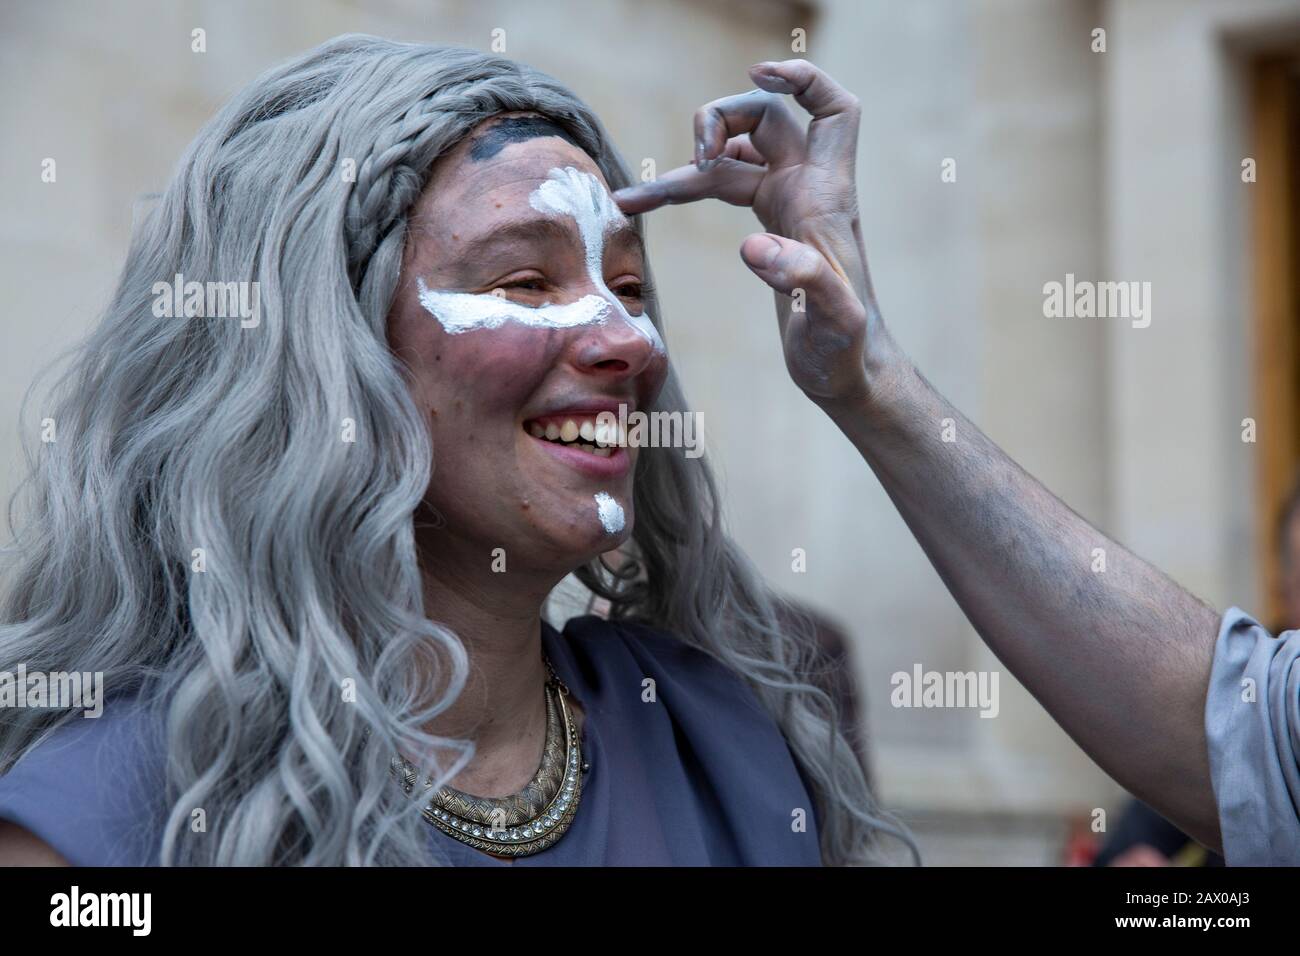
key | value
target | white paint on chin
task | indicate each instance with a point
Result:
(610, 513)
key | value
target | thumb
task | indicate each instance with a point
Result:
(787, 265)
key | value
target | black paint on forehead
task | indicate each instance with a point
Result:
(516, 129)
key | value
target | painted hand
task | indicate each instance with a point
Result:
(750, 150)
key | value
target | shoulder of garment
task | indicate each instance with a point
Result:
(652, 686)
(93, 787)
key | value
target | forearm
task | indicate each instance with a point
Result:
(1120, 658)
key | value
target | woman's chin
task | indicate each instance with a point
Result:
(595, 534)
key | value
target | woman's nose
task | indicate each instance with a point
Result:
(623, 343)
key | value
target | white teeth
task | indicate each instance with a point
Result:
(609, 433)
(597, 437)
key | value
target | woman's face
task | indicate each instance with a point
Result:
(519, 313)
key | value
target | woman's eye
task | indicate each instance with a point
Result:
(630, 290)
(530, 285)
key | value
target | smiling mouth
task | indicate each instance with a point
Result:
(582, 432)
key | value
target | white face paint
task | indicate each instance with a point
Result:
(463, 311)
(566, 192)
(610, 513)
(571, 192)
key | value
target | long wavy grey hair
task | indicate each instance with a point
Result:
(293, 660)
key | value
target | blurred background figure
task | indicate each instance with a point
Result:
(834, 673)
(1143, 837)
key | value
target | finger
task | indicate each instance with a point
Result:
(788, 265)
(742, 148)
(731, 180)
(772, 128)
(835, 111)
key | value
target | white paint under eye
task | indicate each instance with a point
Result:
(572, 192)
(463, 311)
(610, 513)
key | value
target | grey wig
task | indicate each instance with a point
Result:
(179, 435)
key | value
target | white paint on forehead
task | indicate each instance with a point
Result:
(573, 192)
(610, 513)
(463, 311)
(580, 195)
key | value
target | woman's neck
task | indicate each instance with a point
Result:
(503, 706)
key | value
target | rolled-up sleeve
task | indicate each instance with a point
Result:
(1252, 724)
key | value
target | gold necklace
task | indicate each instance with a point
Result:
(532, 819)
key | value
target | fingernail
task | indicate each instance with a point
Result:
(631, 194)
(702, 164)
(775, 83)
(766, 254)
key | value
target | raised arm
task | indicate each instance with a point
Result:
(1121, 659)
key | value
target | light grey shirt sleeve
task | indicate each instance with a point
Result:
(1252, 724)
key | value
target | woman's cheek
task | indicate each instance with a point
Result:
(500, 369)
(656, 375)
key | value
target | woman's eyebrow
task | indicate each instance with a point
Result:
(516, 231)
(625, 235)
(533, 229)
